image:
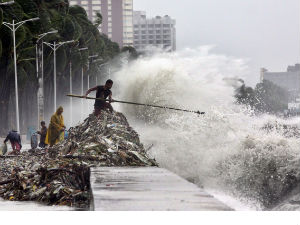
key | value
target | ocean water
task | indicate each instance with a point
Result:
(249, 162)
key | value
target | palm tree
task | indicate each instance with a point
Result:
(72, 24)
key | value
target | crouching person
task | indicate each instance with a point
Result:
(15, 141)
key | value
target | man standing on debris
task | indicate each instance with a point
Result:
(15, 140)
(56, 128)
(43, 134)
(102, 92)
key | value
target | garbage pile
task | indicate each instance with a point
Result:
(60, 174)
(35, 177)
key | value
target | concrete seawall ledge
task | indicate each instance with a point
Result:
(147, 189)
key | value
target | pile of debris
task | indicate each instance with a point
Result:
(108, 141)
(60, 175)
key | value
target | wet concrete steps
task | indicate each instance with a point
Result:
(147, 189)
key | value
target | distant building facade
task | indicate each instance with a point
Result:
(117, 18)
(289, 80)
(158, 32)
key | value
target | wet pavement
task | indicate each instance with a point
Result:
(147, 189)
(29, 206)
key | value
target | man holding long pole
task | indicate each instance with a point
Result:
(102, 92)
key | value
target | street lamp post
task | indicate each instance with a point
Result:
(54, 47)
(88, 78)
(103, 64)
(14, 27)
(90, 58)
(71, 90)
(40, 75)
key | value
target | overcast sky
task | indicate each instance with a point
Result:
(267, 32)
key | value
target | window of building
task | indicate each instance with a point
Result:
(151, 36)
(166, 25)
(143, 25)
(158, 42)
(151, 25)
(84, 2)
(143, 32)
(96, 7)
(157, 25)
(127, 14)
(150, 31)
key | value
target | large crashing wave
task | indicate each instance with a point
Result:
(229, 148)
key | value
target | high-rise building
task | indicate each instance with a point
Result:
(117, 18)
(159, 32)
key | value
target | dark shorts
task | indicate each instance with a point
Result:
(103, 106)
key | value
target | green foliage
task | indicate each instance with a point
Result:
(266, 97)
(77, 10)
(132, 52)
(98, 20)
(1, 16)
(71, 22)
(272, 98)
(0, 48)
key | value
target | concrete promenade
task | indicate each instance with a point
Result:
(147, 189)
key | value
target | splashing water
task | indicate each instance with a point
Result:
(252, 158)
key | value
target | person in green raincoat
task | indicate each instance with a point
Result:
(56, 128)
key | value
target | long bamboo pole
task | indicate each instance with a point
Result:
(134, 103)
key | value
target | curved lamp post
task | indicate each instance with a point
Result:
(14, 27)
(40, 74)
(54, 47)
(71, 90)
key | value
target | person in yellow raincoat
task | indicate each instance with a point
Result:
(56, 128)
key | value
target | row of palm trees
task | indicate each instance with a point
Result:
(72, 23)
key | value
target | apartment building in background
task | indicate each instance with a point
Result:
(158, 32)
(289, 80)
(117, 18)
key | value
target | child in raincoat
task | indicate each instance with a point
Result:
(56, 128)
